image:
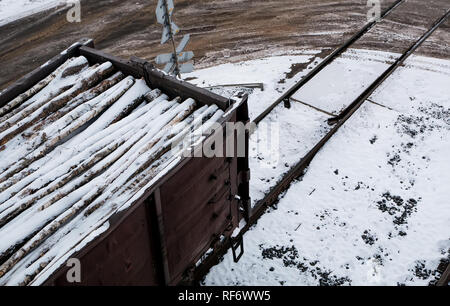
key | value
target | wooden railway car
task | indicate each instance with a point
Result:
(191, 208)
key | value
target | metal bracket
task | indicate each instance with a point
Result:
(237, 243)
(333, 120)
(245, 205)
(244, 177)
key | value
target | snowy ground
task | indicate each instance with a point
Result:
(296, 137)
(373, 207)
(15, 9)
(271, 71)
(341, 82)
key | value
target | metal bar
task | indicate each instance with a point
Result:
(313, 107)
(172, 86)
(97, 56)
(325, 63)
(169, 24)
(381, 105)
(176, 87)
(162, 237)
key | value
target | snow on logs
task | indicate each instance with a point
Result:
(74, 149)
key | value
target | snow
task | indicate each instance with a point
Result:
(11, 10)
(341, 82)
(372, 209)
(269, 71)
(298, 129)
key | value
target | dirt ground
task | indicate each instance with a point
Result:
(221, 30)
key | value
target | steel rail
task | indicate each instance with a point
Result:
(330, 58)
(444, 280)
(366, 94)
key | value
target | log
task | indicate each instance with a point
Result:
(35, 112)
(163, 140)
(114, 131)
(48, 141)
(147, 141)
(21, 144)
(124, 193)
(161, 137)
(17, 207)
(97, 187)
(152, 95)
(33, 90)
(121, 108)
(86, 111)
(163, 143)
(62, 82)
(84, 97)
(156, 105)
(75, 167)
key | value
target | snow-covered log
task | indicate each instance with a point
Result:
(112, 178)
(83, 142)
(36, 111)
(34, 90)
(50, 136)
(80, 99)
(44, 181)
(63, 80)
(121, 108)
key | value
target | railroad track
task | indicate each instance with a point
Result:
(337, 122)
(330, 58)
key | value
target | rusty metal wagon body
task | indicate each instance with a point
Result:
(191, 209)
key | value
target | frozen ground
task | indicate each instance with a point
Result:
(341, 82)
(14, 9)
(274, 72)
(373, 207)
(296, 137)
(222, 31)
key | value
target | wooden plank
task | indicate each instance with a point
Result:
(32, 78)
(170, 85)
(176, 87)
(97, 56)
(162, 237)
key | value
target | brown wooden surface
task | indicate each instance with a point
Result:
(127, 256)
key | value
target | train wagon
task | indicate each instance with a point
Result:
(92, 176)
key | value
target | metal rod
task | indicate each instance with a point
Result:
(169, 23)
(247, 85)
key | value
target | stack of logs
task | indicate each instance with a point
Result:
(74, 149)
